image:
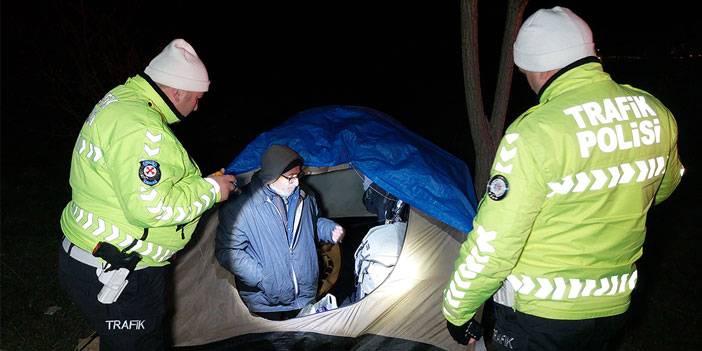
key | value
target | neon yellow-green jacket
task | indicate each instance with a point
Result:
(563, 220)
(133, 184)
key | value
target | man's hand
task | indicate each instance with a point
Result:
(338, 234)
(227, 183)
(465, 334)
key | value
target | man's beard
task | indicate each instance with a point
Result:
(283, 192)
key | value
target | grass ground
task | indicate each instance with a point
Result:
(33, 195)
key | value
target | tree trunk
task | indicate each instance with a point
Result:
(486, 134)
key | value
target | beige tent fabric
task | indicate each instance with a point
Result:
(407, 305)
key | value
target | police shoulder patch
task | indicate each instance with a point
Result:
(149, 172)
(498, 187)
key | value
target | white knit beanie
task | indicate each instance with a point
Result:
(178, 66)
(551, 39)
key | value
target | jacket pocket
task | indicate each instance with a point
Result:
(277, 289)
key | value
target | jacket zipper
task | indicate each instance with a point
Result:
(296, 232)
(290, 247)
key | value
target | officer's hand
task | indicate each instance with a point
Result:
(218, 173)
(465, 334)
(227, 183)
(338, 234)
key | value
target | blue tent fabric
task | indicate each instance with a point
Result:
(396, 159)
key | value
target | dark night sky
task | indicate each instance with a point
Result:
(268, 61)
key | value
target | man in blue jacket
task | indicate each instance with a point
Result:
(267, 238)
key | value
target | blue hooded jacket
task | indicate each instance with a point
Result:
(275, 267)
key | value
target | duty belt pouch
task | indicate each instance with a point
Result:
(113, 274)
(114, 282)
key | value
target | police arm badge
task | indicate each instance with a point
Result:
(497, 187)
(149, 172)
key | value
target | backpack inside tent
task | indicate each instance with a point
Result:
(342, 146)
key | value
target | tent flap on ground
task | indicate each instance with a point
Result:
(341, 145)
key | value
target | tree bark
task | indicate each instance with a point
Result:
(477, 120)
(515, 12)
(486, 134)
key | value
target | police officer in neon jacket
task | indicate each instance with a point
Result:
(135, 188)
(562, 223)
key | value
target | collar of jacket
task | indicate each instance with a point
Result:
(157, 99)
(579, 73)
(262, 192)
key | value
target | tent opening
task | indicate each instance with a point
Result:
(353, 269)
(401, 313)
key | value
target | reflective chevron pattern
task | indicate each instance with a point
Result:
(560, 288)
(104, 102)
(468, 270)
(97, 226)
(89, 150)
(151, 147)
(596, 179)
(179, 214)
(503, 163)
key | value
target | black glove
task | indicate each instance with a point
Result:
(463, 333)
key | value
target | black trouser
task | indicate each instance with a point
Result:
(134, 321)
(515, 330)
